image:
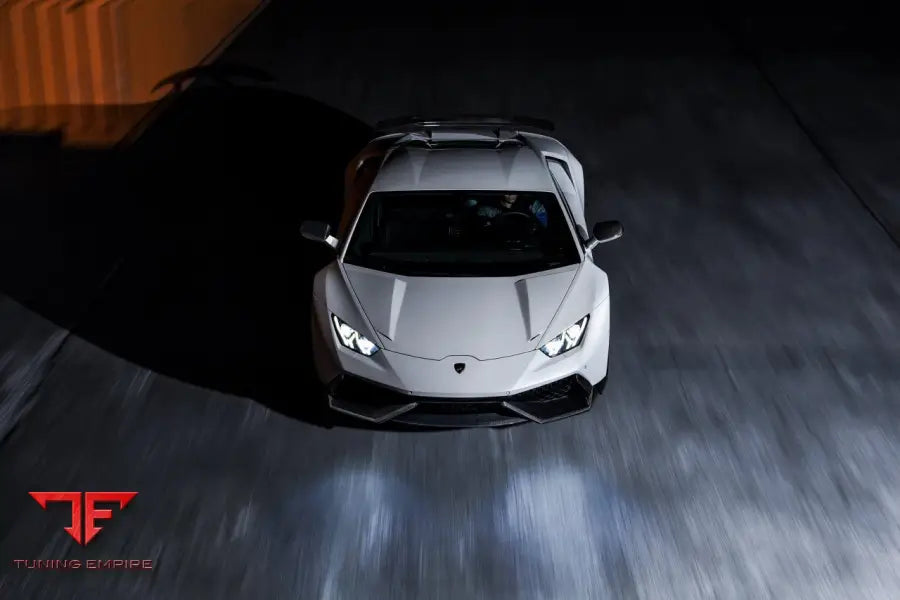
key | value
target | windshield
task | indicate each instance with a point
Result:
(465, 234)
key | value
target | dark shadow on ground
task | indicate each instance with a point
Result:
(181, 253)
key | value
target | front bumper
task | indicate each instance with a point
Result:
(390, 386)
(379, 404)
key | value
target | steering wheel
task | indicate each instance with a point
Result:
(520, 218)
(516, 222)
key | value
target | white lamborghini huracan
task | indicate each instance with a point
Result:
(463, 290)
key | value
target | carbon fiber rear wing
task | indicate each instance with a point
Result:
(414, 124)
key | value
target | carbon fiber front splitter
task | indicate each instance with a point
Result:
(372, 402)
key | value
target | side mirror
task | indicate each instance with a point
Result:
(606, 231)
(318, 231)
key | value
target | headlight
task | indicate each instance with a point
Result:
(568, 339)
(352, 339)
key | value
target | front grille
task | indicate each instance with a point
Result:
(550, 392)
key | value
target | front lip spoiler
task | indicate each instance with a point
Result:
(491, 411)
(372, 416)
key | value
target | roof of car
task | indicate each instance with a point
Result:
(514, 167)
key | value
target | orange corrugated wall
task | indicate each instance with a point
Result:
(89, 65)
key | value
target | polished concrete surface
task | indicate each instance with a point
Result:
(746, 445)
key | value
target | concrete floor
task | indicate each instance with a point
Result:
(746, 446)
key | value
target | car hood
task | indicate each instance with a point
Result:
(437, 317)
